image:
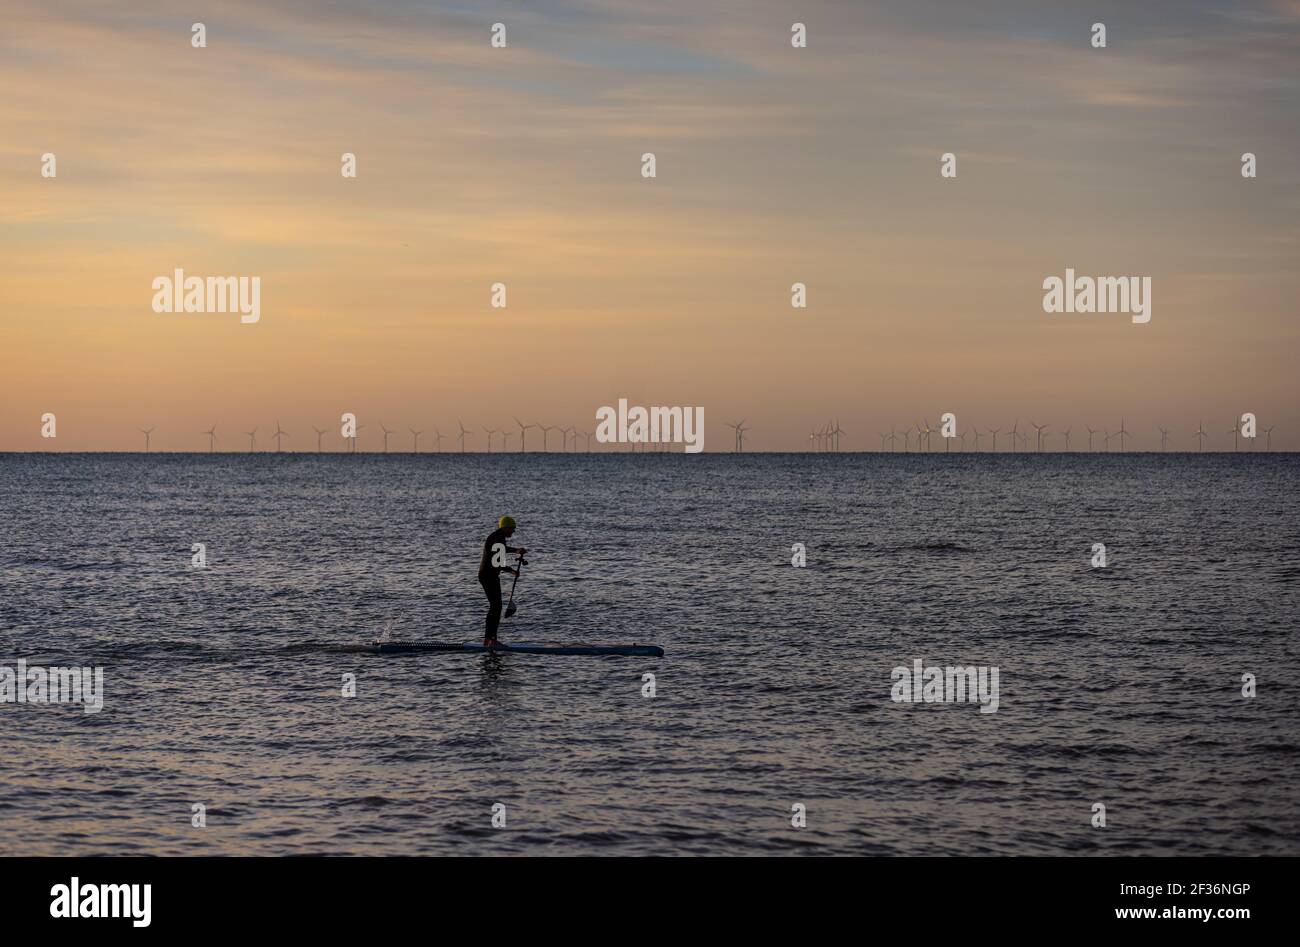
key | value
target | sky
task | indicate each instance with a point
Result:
(523, 165)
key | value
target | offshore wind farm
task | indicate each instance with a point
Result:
(1245, 436)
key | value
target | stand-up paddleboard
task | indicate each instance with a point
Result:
(412, 647)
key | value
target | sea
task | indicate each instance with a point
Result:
(1138, 613)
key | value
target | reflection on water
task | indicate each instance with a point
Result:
(224, 686)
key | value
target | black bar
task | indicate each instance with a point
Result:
(929, 897)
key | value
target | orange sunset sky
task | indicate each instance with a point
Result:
(523, 165)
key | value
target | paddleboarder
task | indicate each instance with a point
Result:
(489, 575)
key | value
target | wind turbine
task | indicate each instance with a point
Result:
(1091, 432)
(1234, 432)
(1039, 429)
(355, 431)
(740, 433)
(588, 435)
(386, 434)
(437, 440)
(928, 435)
(882, 442)
(463, 432)
(993, 433)
(739, 427)
(320, 432)
(523, 445)
(1014, 433)
(1066, 435)
(146, 432)
(837, 432)
(1164, 436)
(279, 433)
(252, 439)
(1108, 437)
(1122, 433)
(1200, 435)
(978, 435)
(415, 436)
(505, 439)
(546, 435)
(490, 431)
(212, 438)
(1268, 437)
(564, 434)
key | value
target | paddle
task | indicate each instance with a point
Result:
(511, 608)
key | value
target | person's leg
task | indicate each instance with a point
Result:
(492, 588)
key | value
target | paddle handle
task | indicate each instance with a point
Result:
(518, 568)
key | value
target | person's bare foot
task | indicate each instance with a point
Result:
(493, 643)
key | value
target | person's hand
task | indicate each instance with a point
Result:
(522, 550)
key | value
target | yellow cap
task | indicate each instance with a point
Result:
(506, 522)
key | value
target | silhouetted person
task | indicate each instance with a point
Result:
(489, 575)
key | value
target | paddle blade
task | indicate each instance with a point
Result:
(511, 609)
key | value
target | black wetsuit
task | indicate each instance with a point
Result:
(489, 576)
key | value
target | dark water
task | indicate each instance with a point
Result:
(1119, 686)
